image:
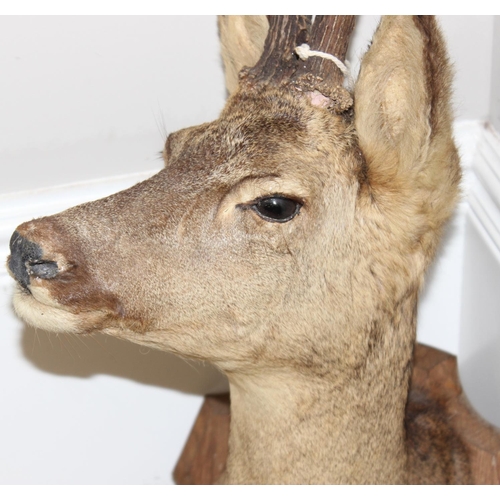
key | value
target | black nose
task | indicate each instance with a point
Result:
(26, 260)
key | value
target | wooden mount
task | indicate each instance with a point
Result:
(434, 372)
(203, 459)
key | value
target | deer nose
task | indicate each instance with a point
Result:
(26, 261)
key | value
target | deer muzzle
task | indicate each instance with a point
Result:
(54, 291)
(26, 261)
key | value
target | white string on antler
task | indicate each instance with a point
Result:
(304, 52)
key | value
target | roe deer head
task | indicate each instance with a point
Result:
(285, 242)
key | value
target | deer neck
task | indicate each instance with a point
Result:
(301, 428)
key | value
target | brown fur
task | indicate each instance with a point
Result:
(313, 320)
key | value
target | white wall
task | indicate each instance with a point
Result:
(86, 98)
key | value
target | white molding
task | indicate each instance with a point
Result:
(484, 195)
(487, 162)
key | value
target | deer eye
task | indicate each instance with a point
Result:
(276, 208)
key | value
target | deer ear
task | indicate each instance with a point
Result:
(242, 42)
(401, 99)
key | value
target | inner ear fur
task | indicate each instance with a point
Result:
(242, 42)
(392, 104)
(404, 122)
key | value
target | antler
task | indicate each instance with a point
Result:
(330, 34)
(279, 64)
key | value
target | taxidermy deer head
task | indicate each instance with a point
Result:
(285, 242)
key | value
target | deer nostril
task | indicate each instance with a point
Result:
(26, 260)
(43, 269)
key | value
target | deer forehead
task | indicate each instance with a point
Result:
(263, 143)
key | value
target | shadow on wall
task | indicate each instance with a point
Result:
(96, 354)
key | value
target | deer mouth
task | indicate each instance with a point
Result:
(31, 293)
(35, 305)
(40, 311)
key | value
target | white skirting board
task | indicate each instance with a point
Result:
(98, 410)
